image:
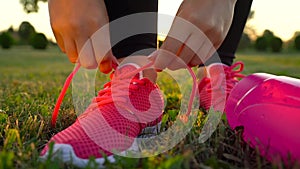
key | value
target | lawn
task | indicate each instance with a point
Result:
(31, 81)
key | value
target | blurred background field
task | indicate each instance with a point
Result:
(32, 79)
(23, 61)
(33, 70)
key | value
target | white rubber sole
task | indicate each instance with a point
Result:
(65, 152)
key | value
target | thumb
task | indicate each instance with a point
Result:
(102, 49)
(106, 65)
(168, 53)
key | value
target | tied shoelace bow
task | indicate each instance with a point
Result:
(104, 96)
(231, 74)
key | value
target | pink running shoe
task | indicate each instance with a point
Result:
(127, 107)
(215, 88)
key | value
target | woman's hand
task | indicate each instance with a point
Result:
(197, 31)
(74, 23)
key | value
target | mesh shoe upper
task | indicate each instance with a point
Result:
(125, 106)
(215, 88)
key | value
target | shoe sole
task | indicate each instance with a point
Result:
(65, 152)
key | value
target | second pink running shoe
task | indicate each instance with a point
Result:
(216, 86)
(127, 106)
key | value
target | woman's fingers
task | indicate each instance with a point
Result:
(86, 54)
(199, 28)
(173, 45)
(75, 23)
(59, 40)
(71, 49)
(102, 49)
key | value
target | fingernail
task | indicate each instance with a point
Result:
(105, 67)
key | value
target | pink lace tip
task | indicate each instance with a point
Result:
(62, 95)
(53, 124)
(184, 118)
(193, 92)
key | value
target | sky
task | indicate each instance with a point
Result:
(280, 16)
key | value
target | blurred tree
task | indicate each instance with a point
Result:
(297, 33)
(297, 42)
(276, 44)
(249, 29)
(39, 41)
(269, 35)
(245, 42)
(251, 15)
(11, 29)
(261, 44)
(26, 30)
(268, 41)
(31, 5)
(290, 44)
(6, 40)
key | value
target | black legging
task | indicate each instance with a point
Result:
(144, 44)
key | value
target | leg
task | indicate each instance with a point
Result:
(111, 124)
(221, 77)
(139, 44)
(142, 44)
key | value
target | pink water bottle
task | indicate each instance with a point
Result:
(268, 108)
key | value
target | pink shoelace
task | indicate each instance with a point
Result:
(231, 73)
(104, 95)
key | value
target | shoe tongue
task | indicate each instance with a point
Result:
(215, 69)
(127, 68)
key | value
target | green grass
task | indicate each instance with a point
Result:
(285, 64)
(31, 81)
